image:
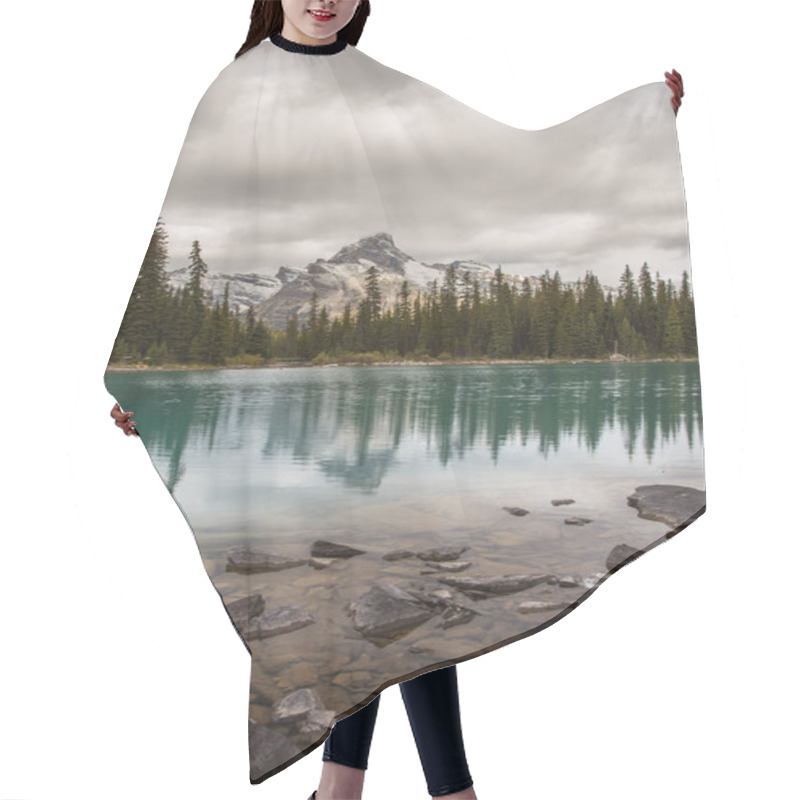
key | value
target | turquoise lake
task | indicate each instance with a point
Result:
(394, 453)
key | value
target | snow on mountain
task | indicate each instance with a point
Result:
(337, 280)
(245, 290)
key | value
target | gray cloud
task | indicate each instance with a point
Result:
(290, 157)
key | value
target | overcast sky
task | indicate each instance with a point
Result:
(289, 157)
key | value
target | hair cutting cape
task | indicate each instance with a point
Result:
(419, 381)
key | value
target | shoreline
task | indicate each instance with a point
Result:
(404, 363)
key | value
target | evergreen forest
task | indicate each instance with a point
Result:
(646, 317)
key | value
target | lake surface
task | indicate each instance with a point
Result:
(387, 458)
(301, 452)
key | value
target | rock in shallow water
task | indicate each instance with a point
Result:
(441, 553)
(244, 559)
(672, 505)
(483, 586)
(622, 552)
(246, 608)
(297, 705)
(324, 549)
(386, 612)
(282, 620)
(516, 511)
(397, 555)
(267, 749)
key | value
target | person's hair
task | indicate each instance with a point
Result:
(266, 18)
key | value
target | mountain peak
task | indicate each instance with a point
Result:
(379, 249)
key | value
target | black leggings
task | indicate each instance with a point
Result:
(432, 706)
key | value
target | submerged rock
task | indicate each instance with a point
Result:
(517, 512)
(622, 552)
(387, 612)
(272, 623)
(456, 615)
(672, 505)
(246, 608)
(564, 502)
(267, 748)
(324, 549)
(481, 587)
(441, 553)
(440, 602)
(397, 555)
(244, 559)
(297, 705)
(577, 521)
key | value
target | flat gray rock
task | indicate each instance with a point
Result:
(481, 587)
(245, 559)
(577, 521)
(672, 505)
(441, 553)
(563, 502)
(325, 549)
(516, 511)
(387, 612)
(297, 705)
(273, 623)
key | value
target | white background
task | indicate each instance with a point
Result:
(121, 674)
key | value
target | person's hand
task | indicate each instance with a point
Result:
(675, 82)
(122, 419)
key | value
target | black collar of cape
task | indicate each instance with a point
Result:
(309, 49)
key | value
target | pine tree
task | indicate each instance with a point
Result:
(646, 323)
(197, 324)
(143, 322)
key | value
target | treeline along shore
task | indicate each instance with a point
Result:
(646, 318)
